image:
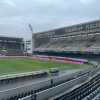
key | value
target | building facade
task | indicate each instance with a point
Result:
(11, 46)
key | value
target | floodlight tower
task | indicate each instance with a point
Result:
(32, 40)
(30, 27)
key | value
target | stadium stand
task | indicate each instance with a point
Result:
(81, 38)
(82, 89)
(54, 83)
(10, 46)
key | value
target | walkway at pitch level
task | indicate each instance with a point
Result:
(30, 80)
(87, 91)
(24, 85)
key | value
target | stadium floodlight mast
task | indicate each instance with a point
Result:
(30, 27)
(32, 40)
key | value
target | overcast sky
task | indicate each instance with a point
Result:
(15, 15)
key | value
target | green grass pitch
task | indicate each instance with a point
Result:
(18, 65)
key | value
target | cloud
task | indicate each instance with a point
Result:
(10, 3)
(15, 15)
(86, 2)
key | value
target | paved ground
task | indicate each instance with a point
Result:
(26, 82)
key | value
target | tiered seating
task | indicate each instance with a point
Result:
(73, 43)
